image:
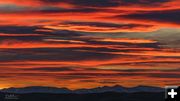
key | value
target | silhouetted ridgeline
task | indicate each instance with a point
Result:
(119, 89)
(116, 93)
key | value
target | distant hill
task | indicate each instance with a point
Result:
(120, 89)
(54, 90)
(109, 96)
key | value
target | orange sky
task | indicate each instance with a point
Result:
(89, 43)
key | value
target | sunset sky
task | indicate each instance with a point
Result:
(89, 43)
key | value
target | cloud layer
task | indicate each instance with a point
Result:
(89, 43)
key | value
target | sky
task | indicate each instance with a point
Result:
(89, 43)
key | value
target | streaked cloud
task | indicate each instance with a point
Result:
(89, 43)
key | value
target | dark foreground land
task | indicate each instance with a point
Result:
(84, 97)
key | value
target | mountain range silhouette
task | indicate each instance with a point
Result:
(117, 88)
(114, 93)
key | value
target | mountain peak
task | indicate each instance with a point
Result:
(116, 88)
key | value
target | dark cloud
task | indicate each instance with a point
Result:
(87, 80)
(51, 69)
(35, 35)
(34, 30)
(145, 70)
(13, 39)
(91, 3)
(101, 49)
(154, 75)
(66, 33)
(136, 70)
(63, 10)
(18, 29)
(51, 54)
(165, 75)
(135, 45)
(52, 1)
(108, 82)
(167, 16)
(95, 3)
(108, 3)
(148, 63)
(23, 30)
(110, 25)
(27, 74)
(71, 54)
(143, 2)
(88, 76)
(72, 77)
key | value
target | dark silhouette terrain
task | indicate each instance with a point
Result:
(116, 93)
(109, 96)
